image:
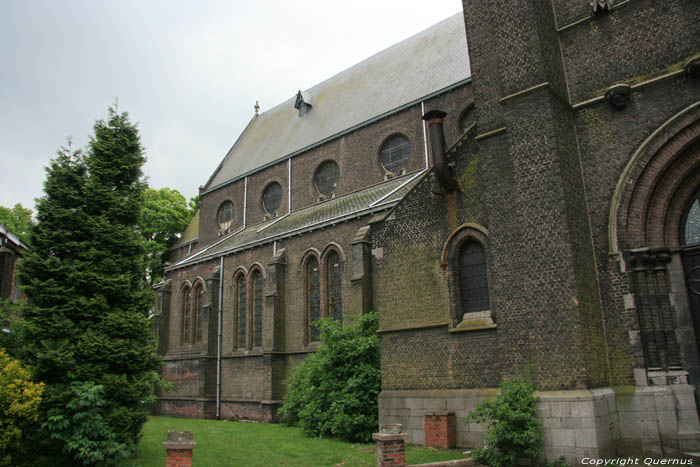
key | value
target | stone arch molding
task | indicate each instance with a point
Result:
(656, 185)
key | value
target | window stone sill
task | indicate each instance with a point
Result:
(476, 321)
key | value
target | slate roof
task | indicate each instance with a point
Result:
(12, 238)
(191, 233)
(405, 73)
(363, 202)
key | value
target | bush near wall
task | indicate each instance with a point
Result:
(334, 392)
(19, 408)
(513, 429)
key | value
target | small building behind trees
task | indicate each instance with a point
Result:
(12, 249)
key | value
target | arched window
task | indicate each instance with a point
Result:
(225, 215)
(691, 223)
(466, 119)
(198, 306)
(313, 298)
(186, 315)
(333, 279)
(240, 311)
(257, 294)
(473, 277)
(394, 153)
(326, 177)
(272, 198)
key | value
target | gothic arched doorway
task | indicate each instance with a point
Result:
(654, 224)
(690, 252)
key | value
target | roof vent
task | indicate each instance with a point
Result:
(303, 102)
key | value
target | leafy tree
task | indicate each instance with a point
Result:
(18, 220)
(82, 429)
(86, 320)
(164, 215)
(194, 205)
(334, 392)
(19, 408)
(514, 431)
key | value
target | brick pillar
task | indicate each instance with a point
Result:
(178, 449)
(440, 429)
(391, 450)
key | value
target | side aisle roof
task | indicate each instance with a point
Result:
(423, 64)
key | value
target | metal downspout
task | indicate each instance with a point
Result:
(218, 341)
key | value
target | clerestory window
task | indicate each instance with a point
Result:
(394, 154)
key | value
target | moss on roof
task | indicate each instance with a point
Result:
(191, 232)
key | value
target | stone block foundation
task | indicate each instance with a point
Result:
(646, 421)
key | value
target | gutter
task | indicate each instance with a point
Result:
(342, 218)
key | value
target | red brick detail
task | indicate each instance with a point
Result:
(440, 430)
(391, 450)
(178, 458)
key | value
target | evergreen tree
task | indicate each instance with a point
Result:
(87, 317)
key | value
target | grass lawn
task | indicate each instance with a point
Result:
(224, 443)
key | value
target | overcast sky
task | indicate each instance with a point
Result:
(189, 72)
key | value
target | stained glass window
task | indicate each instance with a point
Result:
(225, 215)
(395, 153)
(199, 304)
(272, 198)
(257, 309)
(335, 299)
(473, 277)
(241, 309)
(186, 314)
(691, 231)
(467, 119)
(313, 300)
(327, 176)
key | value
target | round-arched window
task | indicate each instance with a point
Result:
(466, 119)
(327, 176)
(272, 198)
(395, 153)
(691, 226)
(225, 215)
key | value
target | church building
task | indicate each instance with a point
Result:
(529, 200)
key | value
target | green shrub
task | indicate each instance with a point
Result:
(19, 408)
(558, 462)
(513, 428)
(12, 329)
(334, 392)
(82, 429)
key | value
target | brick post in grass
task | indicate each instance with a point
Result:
(391, 449)
(179, 448)
(440, 429)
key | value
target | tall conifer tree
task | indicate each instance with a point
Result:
(88, 312)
